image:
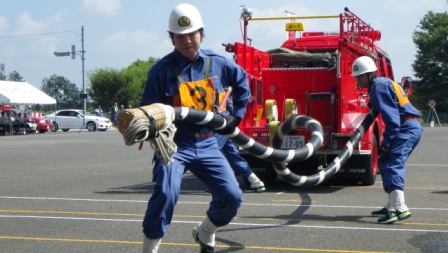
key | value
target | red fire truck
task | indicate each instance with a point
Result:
(310, 74)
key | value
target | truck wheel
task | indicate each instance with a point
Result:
(373, 171)
(263, 169)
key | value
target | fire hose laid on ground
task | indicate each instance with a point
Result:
(155, 124)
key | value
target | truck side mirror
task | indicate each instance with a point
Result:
(406, 83)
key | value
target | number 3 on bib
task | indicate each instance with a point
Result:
(198, 95)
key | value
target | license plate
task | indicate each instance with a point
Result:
(293, 142)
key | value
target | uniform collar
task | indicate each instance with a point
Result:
(182, 60)
(371, 82)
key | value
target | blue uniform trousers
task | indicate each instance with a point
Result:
(393, 168)
(204, 159)
(231, 152)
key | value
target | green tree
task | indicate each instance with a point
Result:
(105, 87)
(65, 92)
(431, 63)
(135, 76)
(125, 87)
(15, 77)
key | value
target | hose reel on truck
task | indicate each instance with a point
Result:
(155, 123)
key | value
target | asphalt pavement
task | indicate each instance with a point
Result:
(87, 192)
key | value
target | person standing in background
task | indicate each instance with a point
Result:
(232, 153)
(98, 111)
(113, 111)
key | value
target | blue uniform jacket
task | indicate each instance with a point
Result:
(162, 83)
(384, 99)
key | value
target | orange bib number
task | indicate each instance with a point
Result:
(198, 95)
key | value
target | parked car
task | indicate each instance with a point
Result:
(43, 124)
(74, 119)
(30, 124)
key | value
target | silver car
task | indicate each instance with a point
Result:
(74, 119)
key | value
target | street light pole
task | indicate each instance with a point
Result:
(83, 81)
(73, 54)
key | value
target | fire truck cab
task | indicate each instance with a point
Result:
(310, 74)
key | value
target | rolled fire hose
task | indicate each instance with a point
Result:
(271, 110)
(333, 167)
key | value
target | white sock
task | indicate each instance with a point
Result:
(255, 182)
(150, 245)
(389, 203)
(206, 232)
(397, 199)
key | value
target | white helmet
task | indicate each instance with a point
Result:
(184, 18)
(363, 64)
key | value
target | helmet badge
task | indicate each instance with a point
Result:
(184, 21)
(355, 67)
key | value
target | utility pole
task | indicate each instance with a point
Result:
(84, 95)
(73, 53)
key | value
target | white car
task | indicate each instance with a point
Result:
(73, 119)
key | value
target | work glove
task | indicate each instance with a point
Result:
(232, 123)
(383, 152)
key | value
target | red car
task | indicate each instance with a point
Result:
(42, 124)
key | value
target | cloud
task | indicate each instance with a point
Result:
(121, 46)
(26, 25)
(105, 8)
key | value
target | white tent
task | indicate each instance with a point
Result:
(22, 93)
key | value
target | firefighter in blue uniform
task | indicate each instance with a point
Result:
(193, 77)
(238, 164)
(402, 134)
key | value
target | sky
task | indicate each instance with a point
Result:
(119, 32)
